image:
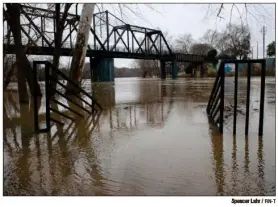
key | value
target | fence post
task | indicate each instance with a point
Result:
(248, 99)
(47, 95)
(261, 119)
(91, 70)
(35, 100)
(235, 98)
(221, 120)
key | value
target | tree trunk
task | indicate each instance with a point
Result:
(8, 76)
(79, 54)
(56, 55)
(22, 87)
(60, 22)
(25, 69)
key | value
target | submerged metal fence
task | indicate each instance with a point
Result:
(50, 93)
(215, 107)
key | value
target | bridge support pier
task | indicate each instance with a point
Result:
(162, 70)
(93, 65)
(174, 69)
(102, 69)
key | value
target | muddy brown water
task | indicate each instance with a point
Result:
(152, 138)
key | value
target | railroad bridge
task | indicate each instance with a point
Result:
(110, 37)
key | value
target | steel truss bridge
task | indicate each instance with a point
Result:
(110, 37)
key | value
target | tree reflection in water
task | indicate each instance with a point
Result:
(30, 177)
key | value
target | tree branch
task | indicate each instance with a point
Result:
(219, 11)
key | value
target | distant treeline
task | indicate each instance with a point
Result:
(127, 72)
(119, 72)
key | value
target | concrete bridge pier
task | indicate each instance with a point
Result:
(162, 70)
(102, 69)
(93, 66)
(174, 69)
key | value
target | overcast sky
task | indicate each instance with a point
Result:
(196, 19)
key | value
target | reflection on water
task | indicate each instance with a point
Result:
(152, 138)
(218, 168)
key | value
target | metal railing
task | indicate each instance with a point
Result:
(216, 101)
(51, 92)
(215, 107)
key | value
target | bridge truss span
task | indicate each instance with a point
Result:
(110, 37)
(38, 27)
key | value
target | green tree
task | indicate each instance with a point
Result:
(271, 49)
(211, 56)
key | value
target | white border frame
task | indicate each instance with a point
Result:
(122, 201)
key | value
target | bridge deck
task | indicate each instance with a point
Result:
(32, 50)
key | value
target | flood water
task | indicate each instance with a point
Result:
(152, 138)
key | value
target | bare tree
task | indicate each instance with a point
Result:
(211, 37)
(60, 26)
(148, 67)
(24, 68)
(200, 49)
(234, 41)
(10, 63)
(246, 11)
(239, 40)
(184, 42)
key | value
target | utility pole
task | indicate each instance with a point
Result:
(263, 31)
(252, 52)
(257, 50)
